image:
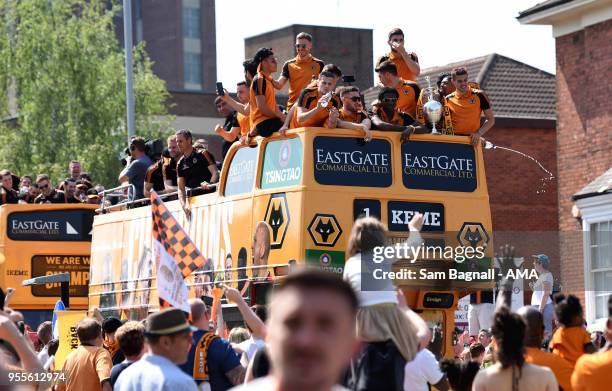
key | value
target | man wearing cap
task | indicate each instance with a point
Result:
(169, 336)
(542, 289)
(109, 327)
(211, 359)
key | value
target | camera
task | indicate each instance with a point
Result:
(154, 149)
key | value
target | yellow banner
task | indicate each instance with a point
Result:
(68, 339)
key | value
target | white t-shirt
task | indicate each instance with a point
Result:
(384, 292)
(154, 373)
(267, 384)
(538, 288)
(422, 370)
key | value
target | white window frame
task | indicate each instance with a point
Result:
(593, 210)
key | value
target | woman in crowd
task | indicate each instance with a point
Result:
(510, 371)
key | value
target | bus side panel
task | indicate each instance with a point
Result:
(328, 220)
(282, 212)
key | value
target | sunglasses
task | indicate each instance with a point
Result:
(355, 99)
(43, 186)
(389, 100)
(300, 46)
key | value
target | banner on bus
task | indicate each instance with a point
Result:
(76, 265)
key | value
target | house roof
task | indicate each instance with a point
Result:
(516, 90)
(543, 6)
(601, 185)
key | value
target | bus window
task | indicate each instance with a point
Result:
(345, 161)
(282, 164)
(429, 165)
(241, 174)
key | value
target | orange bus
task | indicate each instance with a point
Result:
(43, 239)
(307, 188)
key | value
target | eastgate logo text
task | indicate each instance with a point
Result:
(35, 225)
(438, 165)
(342, 161)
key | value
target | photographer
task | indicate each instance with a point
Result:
(135, 171)
(195, 170)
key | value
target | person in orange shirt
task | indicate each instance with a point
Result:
(300, 70)
(315, 103)
(349, 116)
(466, 105)
(534, 333)
(89, 366)
(242, 112)
(266, 117)
(571, 340)
(408, 91)
(407, 62)
(593, 372)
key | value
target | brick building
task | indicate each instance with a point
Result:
(583, 33)
(523, 100)
(348, 48)
(180, 38)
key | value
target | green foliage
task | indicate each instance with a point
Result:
(63, 63)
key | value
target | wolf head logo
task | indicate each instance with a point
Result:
(276, 220)
(325, 229)
(474, 237)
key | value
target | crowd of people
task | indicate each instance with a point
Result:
(315, 99)
(319, 331)
(76, 188)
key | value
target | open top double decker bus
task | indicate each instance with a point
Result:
(309, 187)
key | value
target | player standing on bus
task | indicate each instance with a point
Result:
(301, 70)
(466, 105)
(195, 170)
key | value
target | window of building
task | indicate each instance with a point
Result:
(193, 70)
(191, 20)
(192, 47)
(600, 248)
(596, 213)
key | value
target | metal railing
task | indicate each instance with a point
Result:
(129, 204)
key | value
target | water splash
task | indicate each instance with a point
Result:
(543, 181)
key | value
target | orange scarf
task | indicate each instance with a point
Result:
(200, 367)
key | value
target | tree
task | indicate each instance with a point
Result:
(63, 84)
